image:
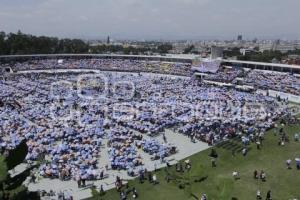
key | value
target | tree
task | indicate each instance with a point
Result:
(3, 169)
(20, 43)
(266, 56)
(164, 48)
(3, 45)
(13, 185)
(17, 155)
(188, 49)
(232, 52)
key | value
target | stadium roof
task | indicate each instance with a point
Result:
(263, 64)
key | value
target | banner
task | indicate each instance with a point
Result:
(206, 66)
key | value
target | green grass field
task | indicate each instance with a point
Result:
(218, 182)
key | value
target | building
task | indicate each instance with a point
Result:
(239, 38)
(277, 45)
(265, 47)
(216, 52)
(283, 48)
(246, 51)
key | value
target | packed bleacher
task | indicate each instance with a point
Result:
(225, 75)
(105, 64)
(267, 80)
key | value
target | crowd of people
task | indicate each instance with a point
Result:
(66, 130)
(278, 81)
(224, 75)
(105, 64)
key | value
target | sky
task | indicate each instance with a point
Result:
(153, 19)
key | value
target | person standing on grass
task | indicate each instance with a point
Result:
(141, 177)
(244, 151)
(123, 196)
(269, 197)
(101, 190)
(296, 137)
(258, 145)
(298, 163)
(150, 177)
(258, 195)
(288, 164)
(134, 193)
(255, 174)
(204, 197)
(154, 179)
(236, 175)
(263, 176)
(276, 130)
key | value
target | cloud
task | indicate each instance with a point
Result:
(151, 18)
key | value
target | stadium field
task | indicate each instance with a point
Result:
(218, 184)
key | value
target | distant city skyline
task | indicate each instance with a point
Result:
(153, 19)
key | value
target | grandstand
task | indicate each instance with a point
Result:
(167, 58)
(82, 133)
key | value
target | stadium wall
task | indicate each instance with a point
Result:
(168, 58)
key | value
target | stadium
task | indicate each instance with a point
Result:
(108, 126)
